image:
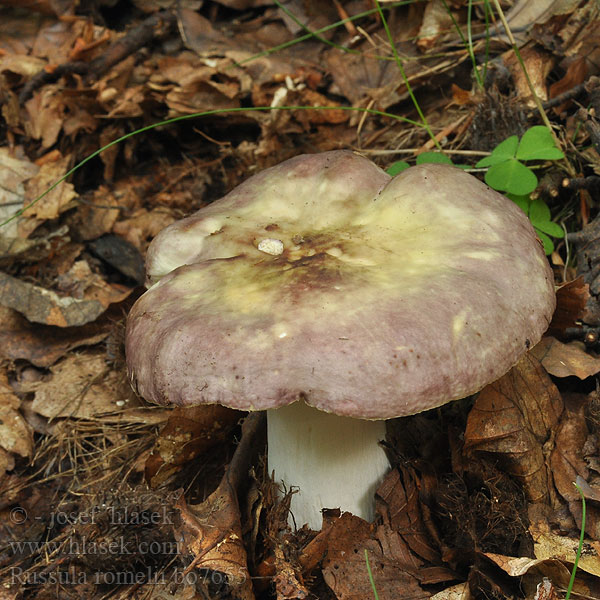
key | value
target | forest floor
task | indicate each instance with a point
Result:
(103, 495)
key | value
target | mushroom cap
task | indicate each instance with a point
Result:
(370, 296)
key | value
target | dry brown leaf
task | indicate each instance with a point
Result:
(16, 169)
(143, 226)
(397, 501)
(571, 301)
(81, 386)
(345, 569)
(525, 13)
(15, 434)
(188, 433)
(212, 531)
(45, 112)
(437, 21)
(40, 305)
(567, 456)
(539, 64)
(576, 74)
(96, 218)
(548, 545)
(44, 345)
(456, 592)
(286, 582)
(57, 200)
(566, 360)
(514, 418)
(568, 462)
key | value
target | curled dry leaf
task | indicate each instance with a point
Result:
(188, 433)
(345, 569)
(400, 507)
(566, 360)
(571, 300)
(533, 572)
(568, 462)
(212, 530)
(538, 64)
(514, 418)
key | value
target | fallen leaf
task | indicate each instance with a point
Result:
(40, 305)
(565, 360)
(397, 501)
(571, 301)
(456, 592)
(567, 456)
(538, 63)
(212, 531)
(188, 433)
(16, 169)
(43, 345)
(514, 418)
(437, 21)
(286, 582)
(345, 565)
(568, 462)
(551, 546)
(34, 249)
(55, 201)
(524, 14)
(97, 216)
(16, 436)
(576, 74)
(81, 386)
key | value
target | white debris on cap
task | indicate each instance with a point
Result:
(271, 246)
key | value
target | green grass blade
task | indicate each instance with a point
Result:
(400, 66)
(371, 580)
(317, 32)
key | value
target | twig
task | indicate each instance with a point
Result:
(155, 26)
(568, 95)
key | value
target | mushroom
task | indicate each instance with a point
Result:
(334, 296)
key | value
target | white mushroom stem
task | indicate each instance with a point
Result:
(336, 462)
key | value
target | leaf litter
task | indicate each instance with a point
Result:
(480, 501)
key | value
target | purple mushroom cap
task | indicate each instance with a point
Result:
(323, 278)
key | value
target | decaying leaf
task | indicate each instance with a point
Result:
(43, 345)
(188, 433)
(345, 565)
(81, 386)
(287, 585)
(398, 502)
(569, 463)
(212, 530)
(15, 434)
(15, 170)
(40, 305)
(55, 201)
(571, 300)
(551, 546)
(514, 418)
(566, 360)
